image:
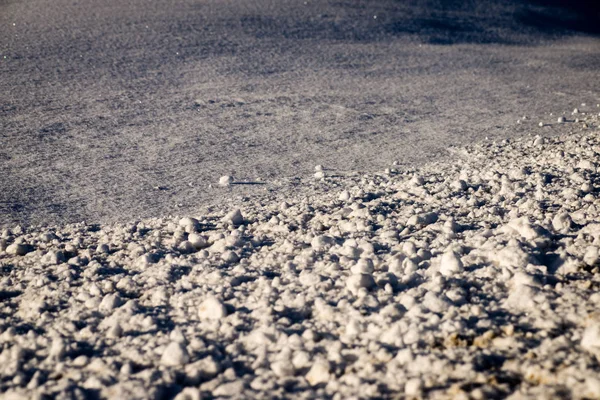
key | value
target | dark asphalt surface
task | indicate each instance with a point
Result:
(103, 101)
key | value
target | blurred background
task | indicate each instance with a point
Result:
(114, 110)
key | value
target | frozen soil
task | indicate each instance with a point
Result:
(473, 278)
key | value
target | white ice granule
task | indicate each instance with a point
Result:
(318, 373)
(422, 219)
(282, 368)
(110, 302)
(175, 354)
(522, 298)
(344, 196)
(355, 282)
(363, 266)
(450, 264)
(212, 308)
(189, 393)
(562, 222)
(225, 180)
(19, 249)
(234, 217)
(322, 242)
(197, 240)
(590, 339)
(413, 387)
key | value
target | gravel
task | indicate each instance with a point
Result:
(472, 278)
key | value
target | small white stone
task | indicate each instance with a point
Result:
(115, 331)
(225, 180)
(58, 349)
(318, 373)
(353, 329)
(413, 387)
(230, 389)
(417, 181)
(355, 282)
(590, 339)
(422, 219)
(283, 368)
(459, 185)
(234, 217)
(522, 298)
(344, 196)
(435, 303)
(175, 354)
(185, 247)
(230, 257)
(110, 302)
(189, 393)
(319, 174)
(561, 120)
(189, 224)
(450, 264)
(318, 168)
(562, 222)
(102, 248)
(363, 266)
(53, 257)
(47, 237)
(212, 308)
(322, 242)
(301, 359)
(19, 249)
(197, 240)
(586, 164)
(409, 248)
(591, 256)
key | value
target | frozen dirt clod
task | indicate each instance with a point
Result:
(472, 278)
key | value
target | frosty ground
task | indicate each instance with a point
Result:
(469, 279)
(165, 233)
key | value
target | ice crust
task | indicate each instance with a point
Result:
(476, 278)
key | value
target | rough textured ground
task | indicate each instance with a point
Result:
(104, 101)
(474, 278)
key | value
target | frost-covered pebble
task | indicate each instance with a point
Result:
(19, 249)
(110, 302)
(413, 387)
(355, 282)
(175, 354)
(450, 264)
(212, 308)
(363, 266)
(234, 217)
(197, 240)
(225, 180)
(319, 373)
